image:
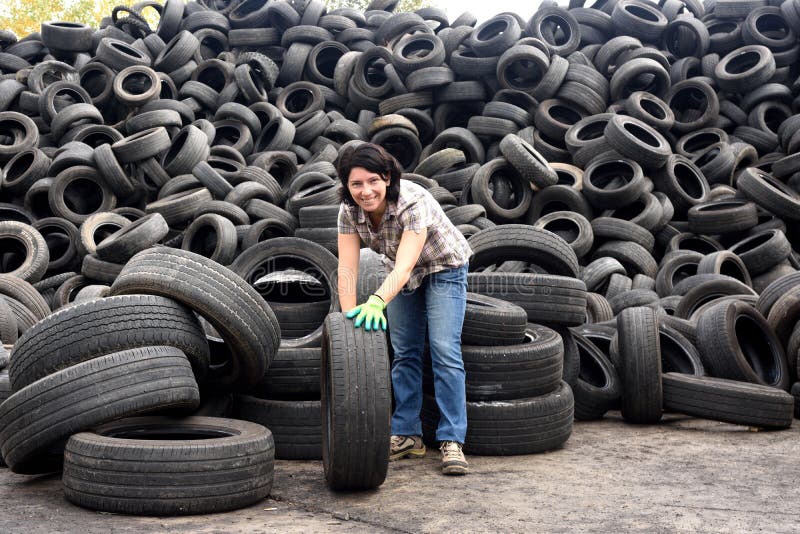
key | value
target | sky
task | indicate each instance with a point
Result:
(485, 9)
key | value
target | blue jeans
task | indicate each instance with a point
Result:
(437, 306)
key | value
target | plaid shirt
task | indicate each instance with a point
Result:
(415, 209)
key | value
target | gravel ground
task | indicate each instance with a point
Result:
(685, 475)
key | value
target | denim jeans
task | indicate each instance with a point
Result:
(436, 306)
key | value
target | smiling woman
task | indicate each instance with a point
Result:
(424, 292)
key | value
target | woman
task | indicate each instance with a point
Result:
(425, 290)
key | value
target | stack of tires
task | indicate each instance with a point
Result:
(517, 402)
(80, 374)
(287, 401)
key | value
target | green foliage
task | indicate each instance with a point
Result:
(26, 16)
(361, 5)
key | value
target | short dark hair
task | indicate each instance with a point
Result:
(373, 158)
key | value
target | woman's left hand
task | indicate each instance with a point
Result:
(370, 314)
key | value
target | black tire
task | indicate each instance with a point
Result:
(141, 234)
(82, 202)
(235, 309)
(558, 198)
(763, 250)
(725, 263)
(490, 321)
(356, 405)
(678, 354)
(736, 343)
(496, 209)
(524, 243)
(299, 319)
(722, 216)
(737, 72)
(598, 309)
(634, 298)
(25, 253)
(25, 293)
(769, 193)
(5, 386)
(633, 257)
(708, 291)
(676, 267)
(774, 291)
(612, 182)
(97, 228)
(169, 466)
(573, 228)
(296, 425)
(682, 182)
(9, 329)
(293, 375)
(530, 369)
(530, 164)
(212, 236)
(729, 401)
(640, 354)
(327, 237)
(571, 359)
(521, 426)
(598, 387)
(547, 299)
(262, 258)
(91, 393)
(61, 237)
(89, 330)
(318, 216)
(596, 275)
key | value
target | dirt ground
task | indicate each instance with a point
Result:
(685, 475)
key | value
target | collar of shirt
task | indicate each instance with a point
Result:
(391, 209)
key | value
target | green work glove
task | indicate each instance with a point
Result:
(370, 313)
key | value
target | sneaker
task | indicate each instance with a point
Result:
(406, 446)
(453, 461)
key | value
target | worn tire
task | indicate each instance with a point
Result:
(296, 425)
(356, 405)
(235, 309)
(210, 465)
(88, 330)
(729, 401)
(529, 369)
(490, 321)
(640, 352)
(521, 426)
(91, 393)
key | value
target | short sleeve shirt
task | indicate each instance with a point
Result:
(445, 247)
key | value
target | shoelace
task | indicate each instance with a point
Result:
(397, 440)
(451, 450)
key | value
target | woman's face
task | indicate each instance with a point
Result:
(367, 188)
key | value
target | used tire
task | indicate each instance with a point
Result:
(640, 352)
(736, 343)
(506, 372)
(169, 466)
(729, 401)
(296, 425)
(91, 393)
(491, 321)
(521, 426)
(234, 308)
(356, 405)
(88, 330)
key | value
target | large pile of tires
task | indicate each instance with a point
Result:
(626, 174)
